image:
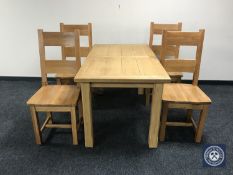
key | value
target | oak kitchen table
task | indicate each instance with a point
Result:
(122, 66)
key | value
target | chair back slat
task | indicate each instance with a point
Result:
(70, 51)
(63, 39)
(171, 52)
(183, 39)
(59, 39)
(70, 28)
(178, 65)
(85, 30)
(60, 67)
(157, 29)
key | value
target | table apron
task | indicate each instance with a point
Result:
(122, 85)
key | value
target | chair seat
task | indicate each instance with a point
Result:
(184, 93)
(55, 95)
(175, 74)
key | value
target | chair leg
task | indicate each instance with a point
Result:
(189, 115)
(148, 94)
(80, 110)
(49, 115)
(201, 123)
(36, 125)
(74, 126)
(163, 122)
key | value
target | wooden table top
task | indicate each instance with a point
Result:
(115, 50)
(122, 64)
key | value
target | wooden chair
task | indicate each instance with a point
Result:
(56, 98)
(184, 96)
(85, 30)
(173, 51)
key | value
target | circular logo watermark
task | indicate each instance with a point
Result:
(214, 156)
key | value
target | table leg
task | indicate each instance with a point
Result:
(87, 114)
(155, 115)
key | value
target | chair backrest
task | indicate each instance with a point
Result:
(157, 29)
(85, 30)
(183, 39)
(63, 39)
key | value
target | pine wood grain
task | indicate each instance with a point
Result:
(55, 95)
(122, 69)
(116, 50)
(184, 93)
